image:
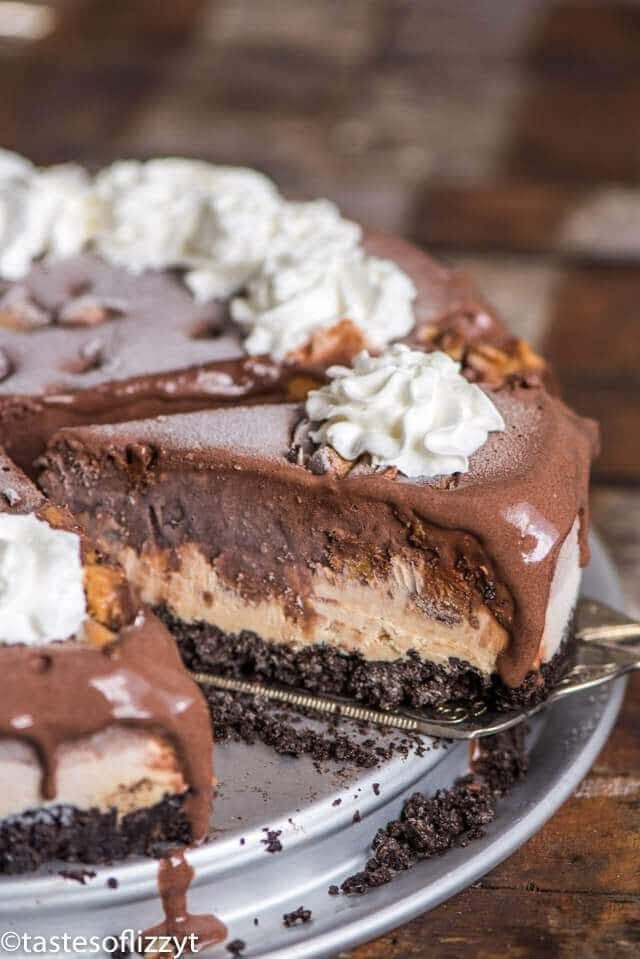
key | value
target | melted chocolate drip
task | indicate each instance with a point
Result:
(175, 876)
(66, 691)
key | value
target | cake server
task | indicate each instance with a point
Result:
(606, 646)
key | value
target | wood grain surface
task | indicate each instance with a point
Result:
(504, 136)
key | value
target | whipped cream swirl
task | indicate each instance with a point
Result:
(42, 594)
(214, 222)
(316, 274)
(407, 409)
(42, 212)
(297, 267)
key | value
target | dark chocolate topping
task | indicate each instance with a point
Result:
(138, 325)
(223, 478)
(157, 327)
(114, 346)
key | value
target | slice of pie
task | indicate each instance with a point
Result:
(105, 741)
(407, 539)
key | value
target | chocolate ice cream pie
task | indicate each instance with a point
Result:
(318, 455)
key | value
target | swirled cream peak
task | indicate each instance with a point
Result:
(42, 212)
(42, 594)
(315, 275)
(297, 267)
(405, 408)
(214, 222)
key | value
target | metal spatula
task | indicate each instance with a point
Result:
(607, 645)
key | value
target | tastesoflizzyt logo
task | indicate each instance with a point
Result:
(128, 941)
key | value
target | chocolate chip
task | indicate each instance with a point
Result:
(140, 459)
(78, 288)
(90, 310)
(20, 311)
(297, 455)
(320, 462)
(6, 369)
(529, 380)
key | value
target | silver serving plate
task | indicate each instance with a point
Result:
(321, 842)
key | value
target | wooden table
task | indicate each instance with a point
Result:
(501, 135)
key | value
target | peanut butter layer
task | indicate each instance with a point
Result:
(383, 618)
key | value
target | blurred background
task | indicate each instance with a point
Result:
(503, 135)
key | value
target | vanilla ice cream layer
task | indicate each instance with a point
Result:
(119, 768)
(563, 595)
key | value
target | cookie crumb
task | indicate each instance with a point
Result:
(429, 826)
(299, 915)
(79, 875)
(272, 842)
(237, 947)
